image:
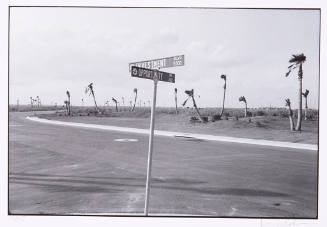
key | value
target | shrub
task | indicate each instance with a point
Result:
(205, 119)
(259, 113)
(215, 117)
(194, 119)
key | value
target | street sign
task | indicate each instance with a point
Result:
(159, 63)
(149, 70)
(150, 74)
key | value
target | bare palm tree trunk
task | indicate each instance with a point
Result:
(299, 117)
(95, 102)
(290, 114)
(246, 110)
(306, 109)
(134, 102)
(222, 110)
(197, 110)
(176, 103)
(116, 107)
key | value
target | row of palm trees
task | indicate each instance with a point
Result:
(90, 90)
(296, 62)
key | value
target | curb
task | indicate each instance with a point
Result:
(312, 147)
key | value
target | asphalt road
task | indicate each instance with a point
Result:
(67, 170)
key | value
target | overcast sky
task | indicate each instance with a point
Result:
(57, 49)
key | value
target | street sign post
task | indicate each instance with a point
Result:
(160, 63)
(149, 70)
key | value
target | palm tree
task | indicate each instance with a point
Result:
(305, 95)
(190, 94)
(296, 62)
(135, 92)
(115, 101)
(222, 110)
(290, 113)
(89, 89)
(242, 99)
(69, 111)
(176, 100)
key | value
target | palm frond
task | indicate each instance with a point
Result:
(183, 104)
(306, 93)
(297, 58)
(242, 99)
(189, 92)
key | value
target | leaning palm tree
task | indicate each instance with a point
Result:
(176, 100)
(222, 110)
(305, 95)
(296, 62)
(115, 101)
(290, 114)
(135, 92)
(69, 110)
(89, 89)
(190, 94)
(242, 99)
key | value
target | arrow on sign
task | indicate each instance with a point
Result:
(150, 74)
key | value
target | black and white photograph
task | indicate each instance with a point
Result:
(164, 111)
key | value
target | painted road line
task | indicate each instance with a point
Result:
(312, 147)
(126, 140)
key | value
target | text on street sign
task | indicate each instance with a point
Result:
(159, 63)
(149, 74)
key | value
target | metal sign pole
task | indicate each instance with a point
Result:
(148, 176)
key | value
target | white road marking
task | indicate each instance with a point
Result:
(15, 125)
(313, 147)
(126, 140)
